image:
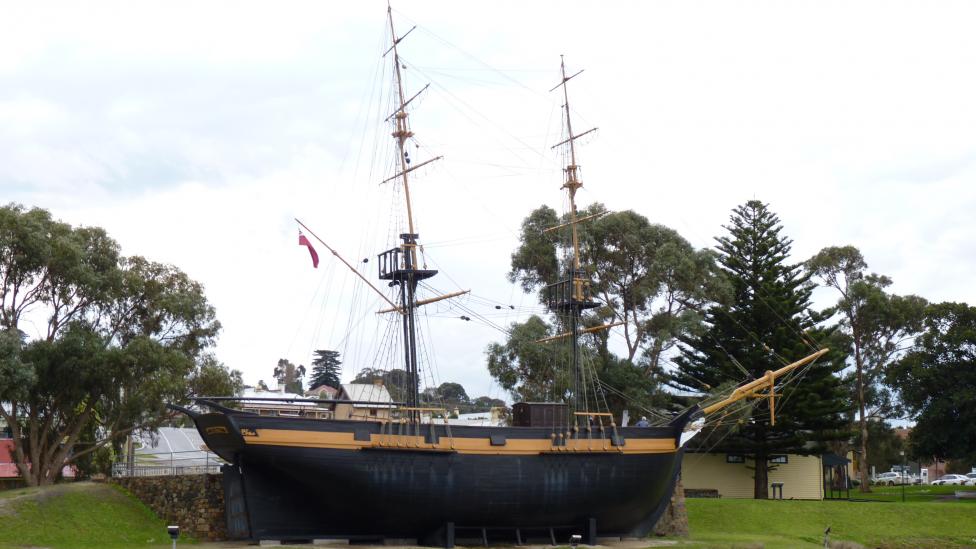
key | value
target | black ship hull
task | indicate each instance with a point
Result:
(294, 478)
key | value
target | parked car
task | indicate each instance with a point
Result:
(960, 480)
(972, 478)
(890, 479)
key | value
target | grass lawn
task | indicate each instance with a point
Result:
(77, 516)
(91, 515)
(914, 493)
(934, 524)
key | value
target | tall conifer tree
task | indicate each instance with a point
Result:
(326, 369)
(766, 324)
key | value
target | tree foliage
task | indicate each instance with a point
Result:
(213, 378)
(289, 376)
(120, 335)
(880, 326)
(448, 392)
(766, 324)
(530, 371)
(486, 403)
(884, 446)
(936, 380)
(326, 368)
(396, 381)
(539, 372)
(645, 274)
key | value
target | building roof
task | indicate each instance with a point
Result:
(279, 393)
(249, 393)
(172, 446)
(319, 389)
(366, 392)
(834, 459)
(479, 419)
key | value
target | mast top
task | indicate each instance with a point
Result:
(401, 133)
(572, 183)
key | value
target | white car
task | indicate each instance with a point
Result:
(889, 479)
(960, 480)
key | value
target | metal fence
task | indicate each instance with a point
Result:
(195, 462)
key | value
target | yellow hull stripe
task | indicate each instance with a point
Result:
(346, 441)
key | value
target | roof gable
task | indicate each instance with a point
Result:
(365, 392)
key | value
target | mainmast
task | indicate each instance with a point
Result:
(570, 296)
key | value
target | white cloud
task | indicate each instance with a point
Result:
(195, 132)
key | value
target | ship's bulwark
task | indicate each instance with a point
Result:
(300, 492)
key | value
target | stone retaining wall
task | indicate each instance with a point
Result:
(195, 502)
(674, 521)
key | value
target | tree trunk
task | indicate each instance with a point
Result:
(761, 490)
(655, 358)
(18, 437)
(862, 463)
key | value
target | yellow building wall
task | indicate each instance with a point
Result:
(348, 411)
(802, 476)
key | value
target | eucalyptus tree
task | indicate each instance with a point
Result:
(289, 376)
(213, 378)
(530, 371)
(93, 342)
(645, 275)
(881, 326)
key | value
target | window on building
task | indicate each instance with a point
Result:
(778, 459)
(734, 458)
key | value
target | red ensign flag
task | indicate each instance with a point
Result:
(302, 241)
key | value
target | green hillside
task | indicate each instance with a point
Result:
(77, 516)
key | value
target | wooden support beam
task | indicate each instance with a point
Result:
(585, 331)
(351, 268)
(568, 223)
(428, 301)
(408, 170)
(767, 381)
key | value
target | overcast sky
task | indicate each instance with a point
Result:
(195, 132)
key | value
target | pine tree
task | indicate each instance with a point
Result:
(766, 324)
(326, 368)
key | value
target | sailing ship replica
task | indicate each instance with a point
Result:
(562, 468)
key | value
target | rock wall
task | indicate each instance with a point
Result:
(674, 521)
(195, 502)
